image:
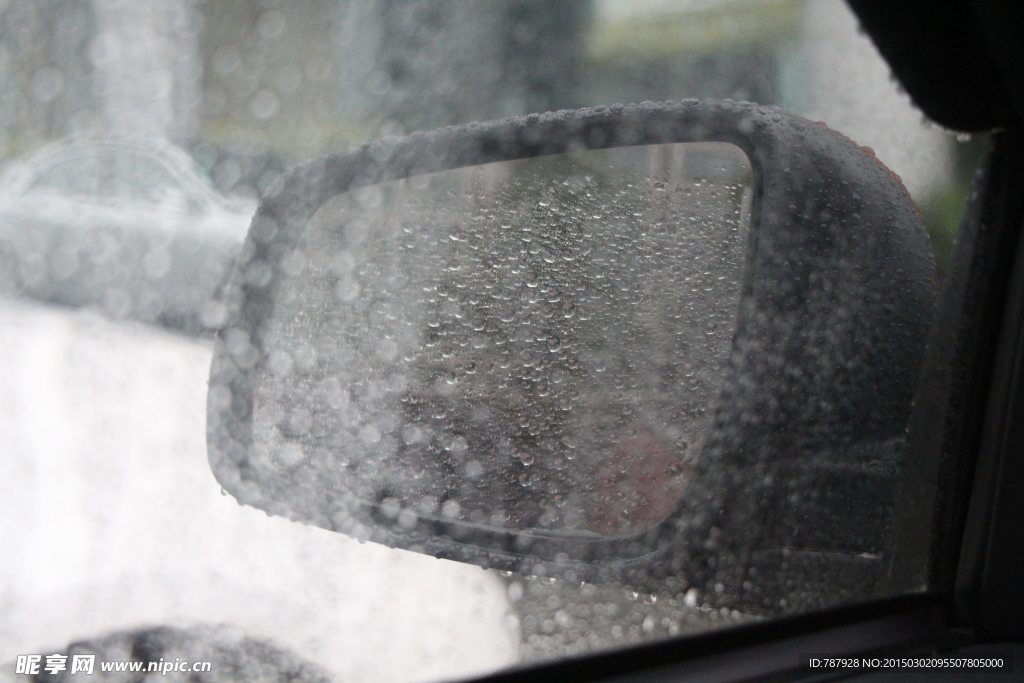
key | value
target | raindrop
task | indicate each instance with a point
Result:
(279, 362)
(259, 274)
(227, 173)
(290, 454)
(390, 508)
(474, 470)
(157, 263)
(347, 290)
(271, 25)
(407, 519)
(387, 350)
(264, 104)
(369, 434)
(305, 357)
(342, 263)
(413, 434)
(46, 84)
(451, 509)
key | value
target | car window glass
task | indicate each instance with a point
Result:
(114, 532)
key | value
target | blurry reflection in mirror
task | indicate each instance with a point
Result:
(531, 345)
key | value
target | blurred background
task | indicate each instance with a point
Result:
(110, 519)
(251, 86)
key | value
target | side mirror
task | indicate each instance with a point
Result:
(673, 345)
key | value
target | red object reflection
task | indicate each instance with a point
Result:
(639, 485)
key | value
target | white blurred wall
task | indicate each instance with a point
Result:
(848, 86)
(110, 519)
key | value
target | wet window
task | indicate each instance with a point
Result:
(533, 348)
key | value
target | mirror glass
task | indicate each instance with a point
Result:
(534, 345)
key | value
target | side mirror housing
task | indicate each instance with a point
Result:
(742, 383)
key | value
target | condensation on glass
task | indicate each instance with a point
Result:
(530, 345)
(245, 89)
